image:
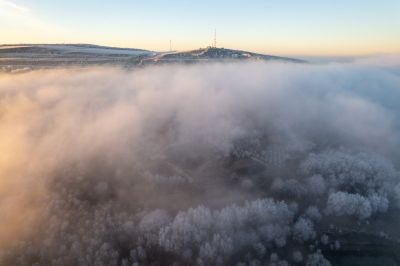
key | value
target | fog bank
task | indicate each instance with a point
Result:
(239, 163)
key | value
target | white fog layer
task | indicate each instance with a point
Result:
(210, 164)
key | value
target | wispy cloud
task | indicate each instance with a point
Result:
(14, 5)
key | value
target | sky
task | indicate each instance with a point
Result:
(281, 27)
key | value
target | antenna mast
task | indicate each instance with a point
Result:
(215, 38)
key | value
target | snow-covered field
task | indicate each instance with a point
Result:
(96, 50)
(84, 49)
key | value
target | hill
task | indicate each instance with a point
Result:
(32, 56)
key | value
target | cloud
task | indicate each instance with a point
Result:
(21, 24)
(197, 164)
(14, 6)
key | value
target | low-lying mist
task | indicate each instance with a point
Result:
(211, 164)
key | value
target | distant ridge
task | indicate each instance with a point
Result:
(33, 56)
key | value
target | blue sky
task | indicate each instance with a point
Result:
(286, 27)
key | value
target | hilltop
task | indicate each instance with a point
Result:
(213, 53)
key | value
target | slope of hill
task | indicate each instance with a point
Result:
(33, 56)
(68, 49)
